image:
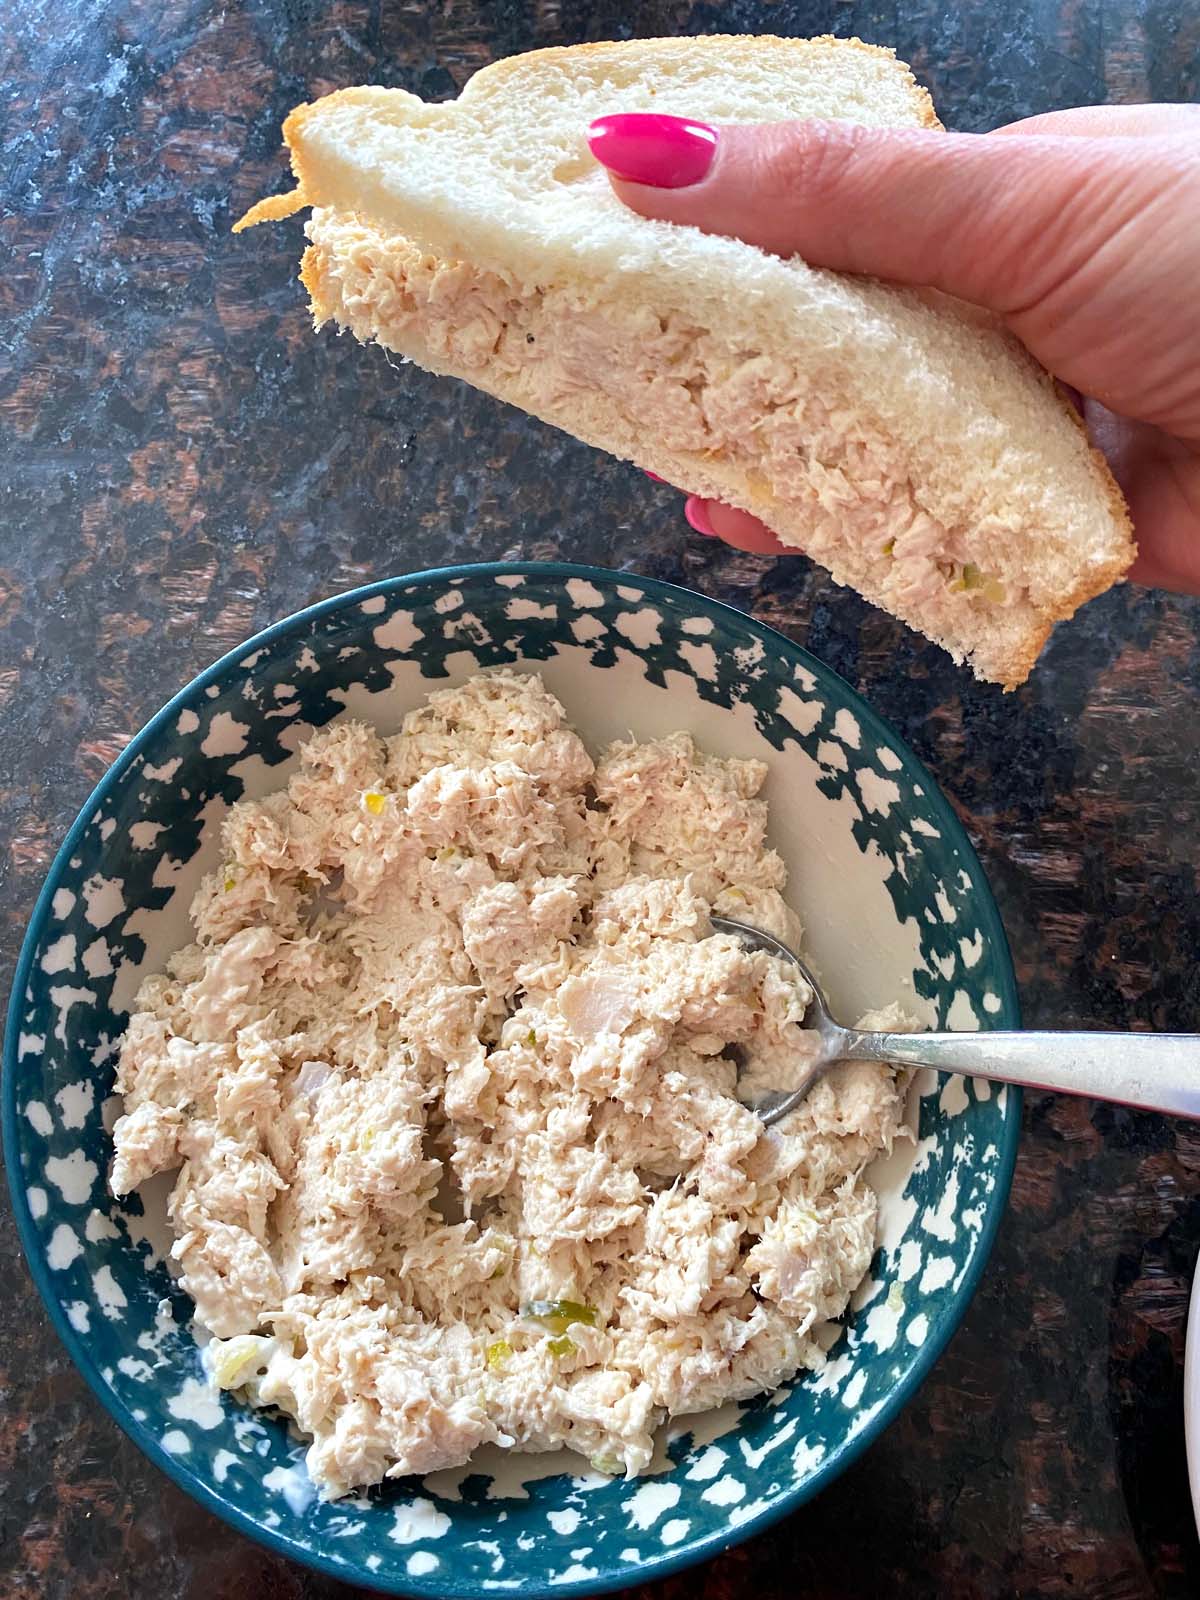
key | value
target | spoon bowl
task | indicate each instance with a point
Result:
(1148, 1071)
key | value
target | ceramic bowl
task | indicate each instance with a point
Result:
(896, 908)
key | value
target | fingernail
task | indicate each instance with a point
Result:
(649, 147)
(653, 475)
(696, 513)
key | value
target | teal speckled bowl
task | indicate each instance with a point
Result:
(896, 908)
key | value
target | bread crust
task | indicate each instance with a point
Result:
(756, 44)
(275, 208)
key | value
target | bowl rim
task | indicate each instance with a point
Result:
(841, 1457)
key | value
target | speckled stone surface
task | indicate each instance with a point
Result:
(184, 462)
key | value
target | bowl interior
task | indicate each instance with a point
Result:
(895, 906)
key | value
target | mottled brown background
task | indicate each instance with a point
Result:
(183, 462)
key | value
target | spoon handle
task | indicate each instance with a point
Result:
(1152, 1071)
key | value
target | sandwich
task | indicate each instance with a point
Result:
(901, 439)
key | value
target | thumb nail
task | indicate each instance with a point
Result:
(651, 148)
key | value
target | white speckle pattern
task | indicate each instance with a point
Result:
(702, 658)
(74, 1102)
(937, 1274)
(104, 899)
(725, 1492)
(962, 1017)
(294, 1484)
(64, 998)
(398, 633)
(806, 1457)
(97, 962)
(838, 771)
(708, 1464)
(804, 715)
(651, 1501)
(909, 1260)
(39, 1118)
(420, 1519)
(73, 1176)
(64, 1247)
(522, 610)
(853, 1394)
(197, 1403)
(60, 956)
(585, 629)
(755, 1457)
(226, 736)
(109, 1293)
(639, 627)
(832, 755)
(939, 1220)
(879, 794)
(99, 1226)
(163, 774)
(582, 593)
(953, 1099)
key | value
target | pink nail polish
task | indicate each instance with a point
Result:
(651, 148)
(696, 513)
(653, 475)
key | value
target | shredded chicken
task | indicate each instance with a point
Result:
(679, 383)
(448, 1080)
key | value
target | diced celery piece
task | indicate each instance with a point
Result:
(558, 1315)
(234, 1359)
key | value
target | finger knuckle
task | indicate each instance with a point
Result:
(814, 158)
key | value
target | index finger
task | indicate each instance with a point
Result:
(1111, 122)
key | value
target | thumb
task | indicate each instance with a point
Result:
(1064, 236)
(991, 220)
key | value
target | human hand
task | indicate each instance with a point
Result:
(1081, 229)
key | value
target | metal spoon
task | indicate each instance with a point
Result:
(1151, 1071)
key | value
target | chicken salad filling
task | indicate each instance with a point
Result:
(449, 1081)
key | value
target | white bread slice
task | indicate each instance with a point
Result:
(903, 440)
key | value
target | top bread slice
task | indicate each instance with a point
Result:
(903, 440)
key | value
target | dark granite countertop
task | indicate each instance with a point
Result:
(184, 462)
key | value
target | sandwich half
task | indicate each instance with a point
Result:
(906, 442)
